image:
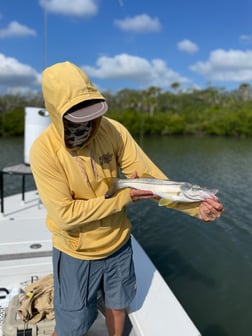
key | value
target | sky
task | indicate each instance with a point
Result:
(127, 44)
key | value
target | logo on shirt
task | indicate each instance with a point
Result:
(105, 158)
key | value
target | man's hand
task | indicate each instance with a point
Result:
(137, 195)
(210, 209)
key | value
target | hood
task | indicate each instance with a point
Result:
(65, 85)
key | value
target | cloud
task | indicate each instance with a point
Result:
(17, 76)
(136, 69)
(71, 7)
(222, 65)
(188, 46)
(139, 24)
(246, 38)
(15, 29)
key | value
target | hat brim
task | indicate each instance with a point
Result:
(87, 113)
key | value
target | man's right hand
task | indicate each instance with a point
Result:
(137, 195)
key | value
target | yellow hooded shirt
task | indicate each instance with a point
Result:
(71, 182)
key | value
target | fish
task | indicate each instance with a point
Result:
(168, 191)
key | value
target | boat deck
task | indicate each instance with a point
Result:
(25, 255)
(26, 249)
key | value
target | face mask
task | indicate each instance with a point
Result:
(76, 134)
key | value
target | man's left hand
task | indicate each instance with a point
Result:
(210, 209)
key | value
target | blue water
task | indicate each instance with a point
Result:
(208, 266)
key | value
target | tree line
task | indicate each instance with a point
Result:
(207, 112)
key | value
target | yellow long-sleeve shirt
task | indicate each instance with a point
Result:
(71, 183)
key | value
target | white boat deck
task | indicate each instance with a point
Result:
(25, 255)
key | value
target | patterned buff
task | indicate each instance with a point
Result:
(76, 134)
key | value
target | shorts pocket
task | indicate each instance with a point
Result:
(72, 276)
(127, 270)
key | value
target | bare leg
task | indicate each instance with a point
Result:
(115, 319)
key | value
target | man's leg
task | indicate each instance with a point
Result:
(119, 287)
(74, 310)
(115, 319)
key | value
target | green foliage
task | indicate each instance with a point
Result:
(12, 123)
(211, 111)
(12, 112)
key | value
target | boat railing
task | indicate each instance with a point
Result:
(22, 170)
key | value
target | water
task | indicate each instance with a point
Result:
(208, 266)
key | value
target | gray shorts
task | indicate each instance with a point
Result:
(76, 283)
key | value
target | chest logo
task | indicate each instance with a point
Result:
(105, 158)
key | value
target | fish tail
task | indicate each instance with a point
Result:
(112, 183)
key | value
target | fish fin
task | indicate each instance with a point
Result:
(165, 202)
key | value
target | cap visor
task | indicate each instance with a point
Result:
(88, 113)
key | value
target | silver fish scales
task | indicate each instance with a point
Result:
(168, 191)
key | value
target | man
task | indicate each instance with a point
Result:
(71, 160)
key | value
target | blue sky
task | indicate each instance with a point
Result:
(127, 43)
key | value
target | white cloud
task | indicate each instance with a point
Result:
(121, 3)
(17, 76)
(71, 7)
(188, 46)
(16, 29)
(222, 65)
(139, 24)
(246, 38)
(136, 69)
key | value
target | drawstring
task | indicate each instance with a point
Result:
(93, 165)
(77, 159)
